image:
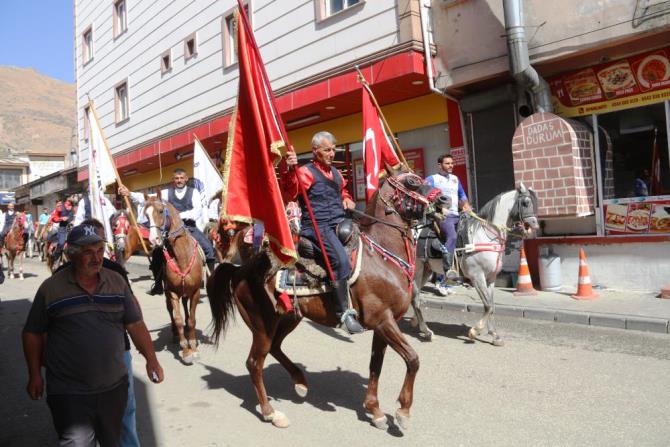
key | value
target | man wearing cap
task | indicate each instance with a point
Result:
(77, 320)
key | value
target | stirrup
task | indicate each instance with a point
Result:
(349, 322)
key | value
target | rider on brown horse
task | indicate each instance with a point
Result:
(63, 216)
(188, 203)
(9, 217)
(327, 193)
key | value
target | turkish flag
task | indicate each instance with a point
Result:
(250, 189)
(377, 148)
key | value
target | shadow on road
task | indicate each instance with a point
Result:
(453, 331)
(143, 415)
(331, 332)
(165, 341)
(327, 390)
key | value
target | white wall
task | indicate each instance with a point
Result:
(292, 44)
(639, 266)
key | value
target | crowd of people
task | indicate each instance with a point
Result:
(87, 305)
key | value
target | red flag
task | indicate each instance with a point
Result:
(377, 149)
(250, 189)
(655, 183)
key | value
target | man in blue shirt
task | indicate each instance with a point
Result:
(451, 187)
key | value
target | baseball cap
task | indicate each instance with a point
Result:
(83, 235)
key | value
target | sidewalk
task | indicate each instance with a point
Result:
(640, 311)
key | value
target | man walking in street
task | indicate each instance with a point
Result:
(451, 187)
(76, 323)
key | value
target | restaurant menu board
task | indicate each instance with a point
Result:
(631, 82)
(638, 215)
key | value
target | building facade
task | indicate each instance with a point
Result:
(161, 73)
(572, 98)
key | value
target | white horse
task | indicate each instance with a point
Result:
(481, 241)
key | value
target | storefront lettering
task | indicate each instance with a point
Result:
(543, 133)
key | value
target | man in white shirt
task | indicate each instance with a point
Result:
(84, 210)
(188, 203)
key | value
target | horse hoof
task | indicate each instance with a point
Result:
(498, 342)
(188, 359)
(21, 277)
(472, 333)
(278, 419)
(300, 390)
(381, 423)
(426, 335)
(403, 421)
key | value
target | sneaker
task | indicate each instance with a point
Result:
(444, 289)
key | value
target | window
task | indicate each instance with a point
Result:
(121, 103)
(191, 46)
(10, 178)
(87, 124)
(87, 45)
(166, 61)
(230, 37)
(120, 18)
(327, 8)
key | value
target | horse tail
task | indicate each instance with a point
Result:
(221, 300)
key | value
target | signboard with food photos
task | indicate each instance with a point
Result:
(632, 82)
(638, 215)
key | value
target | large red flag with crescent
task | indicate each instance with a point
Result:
(250, 189)
(377, 149)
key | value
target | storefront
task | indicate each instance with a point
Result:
(619, 114)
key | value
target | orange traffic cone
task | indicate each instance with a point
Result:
(524, 285)
(665, 292)
(584, 289)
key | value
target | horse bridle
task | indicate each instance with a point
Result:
(167, 224)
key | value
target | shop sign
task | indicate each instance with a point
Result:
(7, 197)
(638, 215)
(414, 159)
(632, 82)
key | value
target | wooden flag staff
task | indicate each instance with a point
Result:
(118, 181)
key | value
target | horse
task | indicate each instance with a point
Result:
(15, 245)
(381, 295)
(182, 277)
(53, 262)
(481, 242)
(126, 238)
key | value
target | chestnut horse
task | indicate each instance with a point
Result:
(15, 246)
(182, 276)
(381, 295)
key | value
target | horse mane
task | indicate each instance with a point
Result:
(489, 209)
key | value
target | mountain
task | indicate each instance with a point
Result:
(37, 113)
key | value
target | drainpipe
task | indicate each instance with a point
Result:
(524, 74)
(423, 13)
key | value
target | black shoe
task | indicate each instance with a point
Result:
(350, 323)
(156, 288)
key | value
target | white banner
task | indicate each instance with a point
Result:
(209, 177)
(101, 173)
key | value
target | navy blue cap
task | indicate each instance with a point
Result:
(83, 235)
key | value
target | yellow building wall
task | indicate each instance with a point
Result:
(402, 116)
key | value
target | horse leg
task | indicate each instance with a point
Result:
(490, 324)
(260, 347)
(417, 319)
(178, 322)
(371, 402)
(285, 327)
(482, 290)
(190, 320)
(21, 257)
(390, 332)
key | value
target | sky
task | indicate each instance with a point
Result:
(38, 34)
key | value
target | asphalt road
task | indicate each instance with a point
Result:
(552, 384)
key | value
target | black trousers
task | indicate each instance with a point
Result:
(82, 419)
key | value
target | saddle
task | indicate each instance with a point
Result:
(428, 245)
(308, 276)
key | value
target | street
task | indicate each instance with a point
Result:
(551, 384)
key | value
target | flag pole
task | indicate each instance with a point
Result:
(118, 180)
(366, 86)
(284, 134)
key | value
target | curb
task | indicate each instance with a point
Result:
(609, 320)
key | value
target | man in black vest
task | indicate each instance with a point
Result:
(327, 193)
(188, 202)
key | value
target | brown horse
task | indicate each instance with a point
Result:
(381, 295)
(15, 246)
(183, 274)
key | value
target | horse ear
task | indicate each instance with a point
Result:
(390, 170)
(522, 188)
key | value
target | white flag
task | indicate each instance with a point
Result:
(209, 177)
(101, 173)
